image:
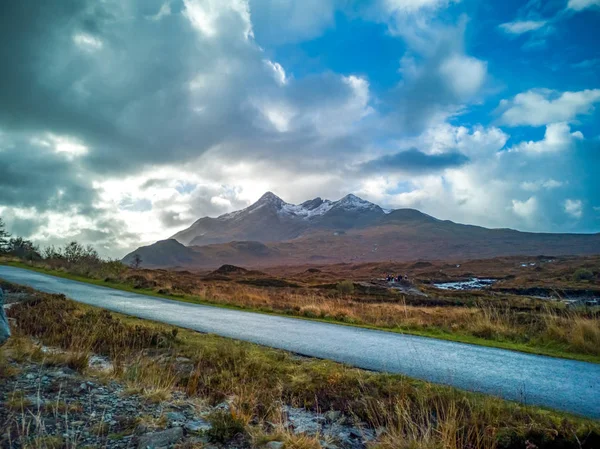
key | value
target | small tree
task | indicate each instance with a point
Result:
(136, 262)
(4, 237)
(73, 252)
(23, 249)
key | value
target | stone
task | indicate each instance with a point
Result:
(176, 417)
(197, 426)
(4, 327)
(333, 415)
(160, 439)
(274, 445)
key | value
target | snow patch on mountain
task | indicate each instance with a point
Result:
(300, 210)
(352, 202)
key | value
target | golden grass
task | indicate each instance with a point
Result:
(257, 380)
(549, 329)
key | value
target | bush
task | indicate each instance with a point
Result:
(345, 287)
(225, 427)
(583, 274)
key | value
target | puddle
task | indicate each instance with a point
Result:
(471, 284)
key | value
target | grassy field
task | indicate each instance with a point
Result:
(258, 381)
(503, 321)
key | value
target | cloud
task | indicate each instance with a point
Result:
(40, 173)
(580, 5)
(586, 63)
(280, 22)
(414, 161)
(464, 74)
(558, 137)
(123, 121)
(522, 26)
(574, 208)
(538, 107)
(526, 209)
(534, 186)
(438, 77)
(404, 6)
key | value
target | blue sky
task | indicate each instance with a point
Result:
(124, 121)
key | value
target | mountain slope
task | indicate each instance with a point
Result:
(272, 232)
(271, 219)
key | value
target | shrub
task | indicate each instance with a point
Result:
(583, 274)
(345, 287)
(225, 427)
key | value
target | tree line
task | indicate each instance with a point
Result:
(73, 255)
(72, 252)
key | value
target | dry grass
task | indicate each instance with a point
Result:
(256, 381)
(504, 318)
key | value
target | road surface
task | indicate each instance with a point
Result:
(551, 382)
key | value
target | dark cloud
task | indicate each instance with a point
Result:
(413, 161)
(33, 176)
(173, 219)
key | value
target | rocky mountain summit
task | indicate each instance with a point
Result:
(271, 219)
(273, 232)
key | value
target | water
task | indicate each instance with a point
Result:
(471, 284)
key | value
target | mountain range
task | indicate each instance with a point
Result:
(273, 232)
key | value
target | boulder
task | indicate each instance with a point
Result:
(4, 327)
(197, 426)
(160, 439)
(176, 417)
(274, 445)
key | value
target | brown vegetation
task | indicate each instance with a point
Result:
(352, 294)
(257, 381)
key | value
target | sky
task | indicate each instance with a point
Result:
(124, 121)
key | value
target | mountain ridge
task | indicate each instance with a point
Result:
(272, 231)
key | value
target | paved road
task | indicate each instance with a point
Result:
(557, 383)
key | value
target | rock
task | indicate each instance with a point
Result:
(176, 417)
(197, 426)
(274, 445)
(4, 327)
(333, 415)
(224, 406)
(160, 439)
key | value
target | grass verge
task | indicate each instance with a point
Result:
(256, 381)
(550, 349)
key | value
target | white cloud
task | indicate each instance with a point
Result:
(464, 74)
(64, 144)
(210, 17)
(87, 42)
(413, 5)
(277, 115)
(574, 208)
(558, 137)
(288, 21)
(522, 26)
(526, 209)
(539, 107)
(579, 5)
(478, 142)
(278, 71)
(164, 11)
(534, 186)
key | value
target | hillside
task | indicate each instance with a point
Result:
(272, 232)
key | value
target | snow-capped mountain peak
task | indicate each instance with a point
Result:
(272, 219)
(353, 202)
